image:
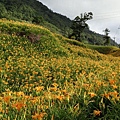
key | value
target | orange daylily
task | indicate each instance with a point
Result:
(96, 112)
(92, 94)
(18, 105)
(38, 116)
(112, 82)
(7, 99)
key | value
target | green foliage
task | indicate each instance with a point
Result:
(38, 20)
(3, 11)
(106, 37)
(104, 49)
(79, 24)
(119, 45)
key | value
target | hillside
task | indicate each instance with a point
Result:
(46, 76)
(34, 11)
(97, 39)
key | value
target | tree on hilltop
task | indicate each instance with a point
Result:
(106, 37)
(79, 24)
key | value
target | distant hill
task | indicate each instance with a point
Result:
(35, 12)
(30, 10)
(97, 39)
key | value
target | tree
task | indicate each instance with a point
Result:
(119, 45)
(79, 24)
(38, 20)
(106, 37)
(3, 11)
(27, 12)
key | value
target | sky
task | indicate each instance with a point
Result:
(106, 13)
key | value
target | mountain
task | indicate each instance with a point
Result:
(30, 10)
(35, 12)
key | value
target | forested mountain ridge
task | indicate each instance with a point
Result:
(35, 12)
(30, 10)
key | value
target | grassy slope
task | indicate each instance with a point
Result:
(55, 78)
(104, 49)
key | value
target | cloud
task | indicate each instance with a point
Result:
(106, 13)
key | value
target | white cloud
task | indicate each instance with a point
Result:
(106, 13)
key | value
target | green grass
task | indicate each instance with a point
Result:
(55, 78)
(103, 49)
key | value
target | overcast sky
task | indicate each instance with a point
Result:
(106, 13)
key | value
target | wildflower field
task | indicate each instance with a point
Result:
(44, 76)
